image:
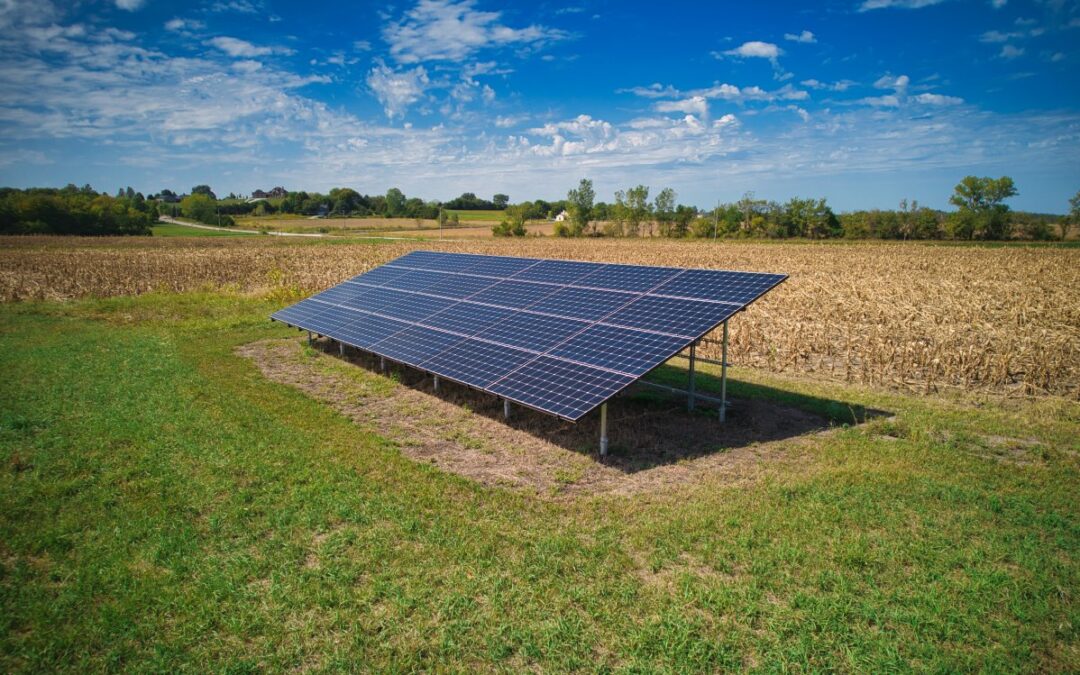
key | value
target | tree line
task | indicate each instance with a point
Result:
(75, 210)
(981, 213)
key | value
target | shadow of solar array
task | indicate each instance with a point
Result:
(559, 336)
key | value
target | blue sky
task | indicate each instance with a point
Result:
(864, 102)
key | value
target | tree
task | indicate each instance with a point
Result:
(638, 211)
(500, 201)
(199, 207)
(684, 215)
(664, 209)
(616, 227)
(580, 206)
(513, 224)
(981, 211)
(395, 203)
(204, 190)
(1074, 215)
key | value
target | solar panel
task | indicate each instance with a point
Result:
(559, 336)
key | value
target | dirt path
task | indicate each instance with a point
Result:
(655, 442)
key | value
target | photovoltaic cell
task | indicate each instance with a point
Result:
(560, 336)
(633, 352)
(467, 318)
(674, 316)
(417, 280)
(564, 389)
(436, 262)
(477, 363)
(378, 276)
(534, 332)
(459, 286)
(367, 330)
(582, 303)
(332, 320)
(632, 278)
(298, 314)
(373, 299)
(412, 307)
(416, 344)
(736, 287)
(497, 266)
(563, 272)
(336, 295)
(513, 294)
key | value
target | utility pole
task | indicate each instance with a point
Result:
(716, 221)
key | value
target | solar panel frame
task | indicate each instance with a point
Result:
(433, 317)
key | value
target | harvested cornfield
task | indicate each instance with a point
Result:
(911, 316)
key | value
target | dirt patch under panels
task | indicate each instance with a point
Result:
(655, 442)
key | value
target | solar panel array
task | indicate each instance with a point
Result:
(559, 336)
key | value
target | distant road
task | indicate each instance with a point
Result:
(173, 221)
(319, 235)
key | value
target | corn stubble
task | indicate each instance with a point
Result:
(907, 316)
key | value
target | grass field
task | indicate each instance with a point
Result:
(170, 502)
(484, 219)
(466, 216)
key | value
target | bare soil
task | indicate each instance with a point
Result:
(655, 441)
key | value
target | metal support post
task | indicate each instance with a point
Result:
(309, 339)
(436, 385)
(603, 430)
(341, 348)
(690, 385)
(723, 377)
(506, 408)
(382, 363)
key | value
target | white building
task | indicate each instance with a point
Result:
(563, 215)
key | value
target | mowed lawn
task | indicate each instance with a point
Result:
(164, 507)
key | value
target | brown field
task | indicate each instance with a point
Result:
(910, 316)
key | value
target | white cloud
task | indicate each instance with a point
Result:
(992, 36)
(755, 49)
(238, 6)
(178, 24)
(397, 89)
(130, 5)
(805, 37)
(1011, 52)
(938, 99)
(654, 90)
(868, 5)
(247, 66)
(718, 90)
(1057, 57)
(898, 84)
(998, 4)
(238, 48)
(696, 105)
(888, 101)
(840, 85)
(362, 46)
(445, 30)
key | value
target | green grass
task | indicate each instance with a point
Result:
(163, 507)
(172, 230)
(487, 216)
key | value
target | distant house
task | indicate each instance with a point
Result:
(563, 215)
(262, 194)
